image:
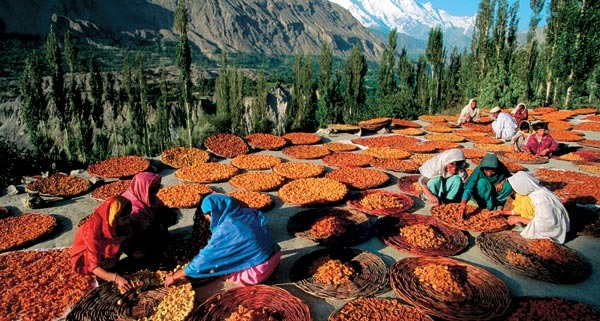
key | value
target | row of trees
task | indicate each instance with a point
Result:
(84, 115)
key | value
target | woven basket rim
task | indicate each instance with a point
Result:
(423, 316)
(405, 182)
(33, 240)
(502, 156)
(83, 191)
(407, 203)
(370, 278)
(223, 304)
(145, 161)
(489, 300)
(494, 247)
(359, 231)
(456, 239)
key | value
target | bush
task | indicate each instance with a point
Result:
(15, 162)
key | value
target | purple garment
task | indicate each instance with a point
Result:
(535, 147)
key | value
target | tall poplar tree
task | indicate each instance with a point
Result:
(57, 85)
(386, 77)
(355, 94)
(184, 62)
(34, 104)
(436, 55)
(325, 106)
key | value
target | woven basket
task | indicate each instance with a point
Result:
(357, 225)
(474, 220)
(279, 302)
(20, 231)
(388, 230)
(381, 309)
(495, 247)
(407, 203)
(559, 309)
(226, 145)
(59, 185)
(406, 185)
(487, 297)
(370, 277)
(119, 167)
(102, 303)
(539, 160)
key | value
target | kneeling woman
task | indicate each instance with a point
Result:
(487, 185)
(99, 241)
(537, 207)
(241, 246)
(442, 177)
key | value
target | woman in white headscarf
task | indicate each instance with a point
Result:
(549, 219)
(470, 113)
(442, 177)
(520, 113)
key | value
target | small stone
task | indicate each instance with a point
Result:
(76, 172)
(96, 180)
(14, 190)
(34, 202)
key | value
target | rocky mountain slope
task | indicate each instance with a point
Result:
(247, 26)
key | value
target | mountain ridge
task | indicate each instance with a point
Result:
(258, 26)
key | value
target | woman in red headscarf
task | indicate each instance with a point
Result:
(99, 241)
(150, 218)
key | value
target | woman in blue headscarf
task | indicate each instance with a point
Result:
(241, 246)
(487, 185)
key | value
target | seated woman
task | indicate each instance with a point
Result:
(487, 186)
(99, 241)
(540, 143)
(241, 246)
(150, 218)
(442, 177)
(520, 113)
(470, 113)
(540, 209)
(519, 140)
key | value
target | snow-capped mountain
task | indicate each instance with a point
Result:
(408, 17)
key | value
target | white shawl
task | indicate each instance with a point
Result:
(514, 110)
(551, 219)
(437, 165)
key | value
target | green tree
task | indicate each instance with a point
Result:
(184, 62)
(141, 114)
(406, 73)
(355, 95)
(422, 85)
(57, 91)
(236, 108)
(96, 94)
(385, 77)
(436, 55)
(451, 88)
(304, 96)
(325, 106)
(161, 130)
(260, 121)
(73, 95)
(222, 94)
(35, 113)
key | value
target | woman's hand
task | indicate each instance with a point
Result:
(169, 280)
(172, 277)
(513, 220)
(462, 209)
(499, 186)
(122, 283)
(496, 213)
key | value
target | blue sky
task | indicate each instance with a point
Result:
(469, 7)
